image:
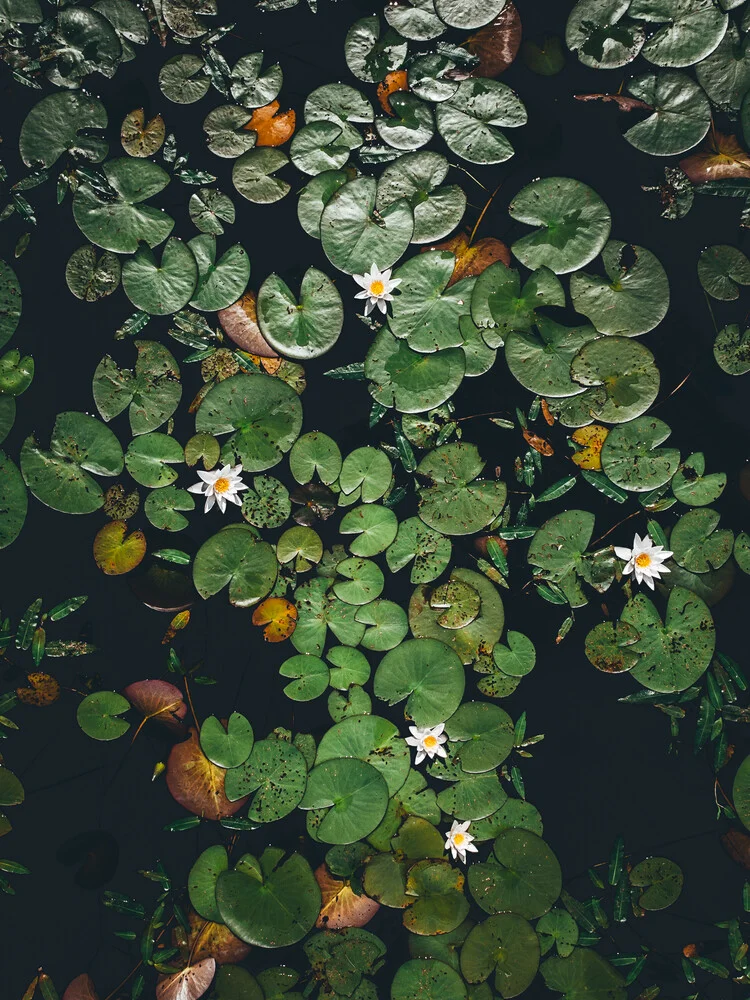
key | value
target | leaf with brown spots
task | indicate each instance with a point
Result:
(207, 939)
(591, 438)
(139, 137)
(340, 905)
(114, 553)
(190, 984)
(538, 443)
(158, 700)
(196, 783)
(394, 81)
(279, 617)
(718, 158)
(240, 323)
(497, 43)
(43, 689)
(273, 127)
(472, 259)
(548, 416)
(623, 103)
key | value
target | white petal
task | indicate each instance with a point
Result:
(441, 751)
(209, 477)
(361, 280)
(382, 306)
(362, 295)
(370, 304)
(210, 501)
(420, 757)
(197, 488)
(623, 553)
(222, 503)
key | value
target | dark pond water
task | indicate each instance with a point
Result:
(603, 768)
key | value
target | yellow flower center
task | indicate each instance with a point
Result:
(430, 742)
(643, 560)
(377, 287)
(458, 839)
(221, 485)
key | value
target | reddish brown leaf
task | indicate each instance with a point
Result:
(81, 988)
(273, 127)
(190, 984)
(497, 43)
(43, 690)
(396, 80)
(472, 259)
(538, 443)
(279, 617)
(719, 157)
(196, 783)
(623, 103)
(341, 906)
(209, 940)
(737, 845)
(158, 700)
(548, 416)
(240, 323)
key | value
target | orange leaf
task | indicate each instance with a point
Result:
(341, 906)
(472, 259)
(591, 439)
(115, 554)
(209, 940)
(538, 443)
(720, 156)
(196, 783)
(44, 689)
(279, 617)
(549, 417)
(273, 128)
(240, 323)
(497, 43)
(396, 80)
(190, 984)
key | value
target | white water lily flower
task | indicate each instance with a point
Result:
(428, 742)
(219, 486)
(459, 841)
(645, 559)
(377, 286)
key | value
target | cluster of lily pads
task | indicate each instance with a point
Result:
(452, 843)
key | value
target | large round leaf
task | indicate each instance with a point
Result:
(674, 653)
(263, 415)
(632, 458)
(410, 380)
(120, 223)
(355, 237)
(541, 360)
(523, 876)
(427, 675)
(485, 733)
(418, 177)
(575, 224)
(161, 287)
(300, 330)
(222, 282)
(275, 775)
(634, 297)
(234, 556)
(55, 125)
(690, 29)
(505, 944)
(10, 302)
(470, 122)
(457, 502)
(272, 905)
(680, 118)
(427, 978)
(621, 376)
(13, 501)
(79, 445)
(426, 312)
(372, 739)
(353, 795)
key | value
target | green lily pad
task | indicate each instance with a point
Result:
(498, 305)
(418, 177)
(253, 175)
(354, 237)
(55, 125)
(410, 125)
(152, 391)
(99, 713)
(622, 377)
(10, 302)
(485, 733)
(471, 121)
(697, 542)
(262, 414)
(631, 300)
(523, 876)
(272, 908)
(410, 380)
(541, 361)
(732, 350)
(691, 486)
(163, 506)
(227, 746)
(691, 30)
(372, 739)
(457, 502)
(426, 312)
(92, 277)
(183, 78)
(722, 269)
(440, 905)
(353, 795)
(310, 677)
(249, 86)
(674, 653)
(374, 526)
(574, 223)
(661, 881)
(427, 675)
(680, 118)
(222, 282)
(505, 944)
(202, 881)
(741, 792)
(608, 647)
(60, 478)
(632, 458)
(234, 556)
(388, 625)
(427, 978)
(149, 457)
(370, 55)
(602, 34)
(274, 775)
(13, 501)
(416, 20)
(122, 222)
(428, 550)
(584, 974)
(301, 330)
(517, 658)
